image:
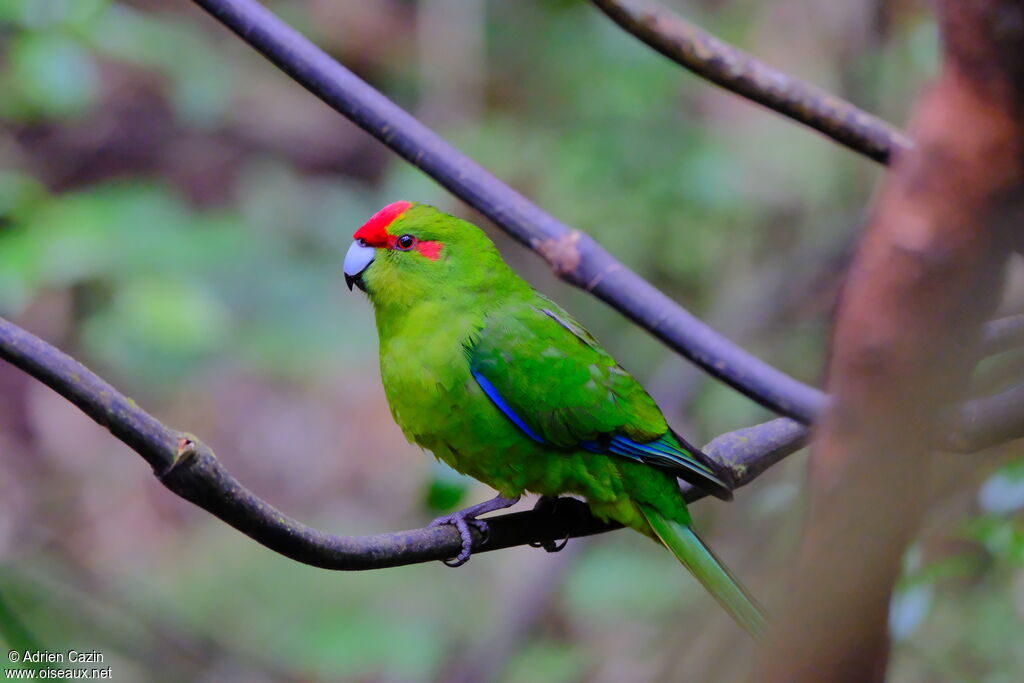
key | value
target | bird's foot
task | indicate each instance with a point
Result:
(464, 519)
(548, 504)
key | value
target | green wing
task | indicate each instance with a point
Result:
(551, 378)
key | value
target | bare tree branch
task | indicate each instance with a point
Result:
(735, 70)
(989, 421)
(575, 257)
(188, 468)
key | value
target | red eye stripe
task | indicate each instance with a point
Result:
(430, 250)
(374, 231)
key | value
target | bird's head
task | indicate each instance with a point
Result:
(408, 252)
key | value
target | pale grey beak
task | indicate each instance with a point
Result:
(359, 256)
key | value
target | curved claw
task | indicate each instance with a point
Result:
(462, 522)
(550, 545)
(553, 547)
(548, 503)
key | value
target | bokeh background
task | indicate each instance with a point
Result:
(174, 212)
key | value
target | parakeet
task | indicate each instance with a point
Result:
(503, 385)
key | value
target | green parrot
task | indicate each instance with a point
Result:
(503, 385)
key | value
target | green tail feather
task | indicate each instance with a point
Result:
(686, 545)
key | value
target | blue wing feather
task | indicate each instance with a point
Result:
(504, 407)
(663, 452)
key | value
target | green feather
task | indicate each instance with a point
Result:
(693, 554)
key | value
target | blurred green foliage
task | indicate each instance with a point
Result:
(174, 213)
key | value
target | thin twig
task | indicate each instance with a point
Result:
(735, 70)
(576, 257)
(188, 468)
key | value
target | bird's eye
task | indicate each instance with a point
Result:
(405, 242)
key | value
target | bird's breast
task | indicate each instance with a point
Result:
(426, 373)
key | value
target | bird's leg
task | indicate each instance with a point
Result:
(462, 520)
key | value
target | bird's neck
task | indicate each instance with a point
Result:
(447, 309)
(428, 319)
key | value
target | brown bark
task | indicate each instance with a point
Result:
(925, 277)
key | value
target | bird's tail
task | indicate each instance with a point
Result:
(691, 551)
